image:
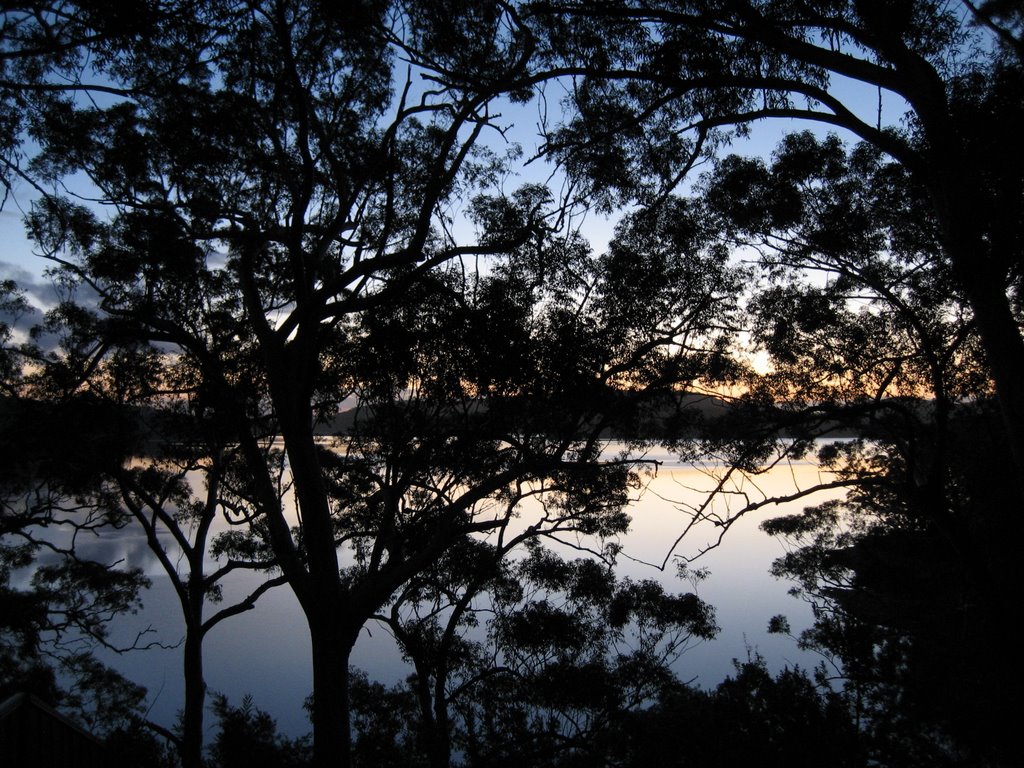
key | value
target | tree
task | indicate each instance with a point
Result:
(532, 659)
(907, 574)
(920, 296)
(535, 659)
(385, 724)
(162, 500)
(653, 74)
(785, 720)
(855, 311)
(578, 651)
(860, 315)
(912, 597)
(279, 240)
(59, 601)
(60, 47)
(247, 736)
(87, 482)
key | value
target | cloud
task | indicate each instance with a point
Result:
(42, 294)
(17, 320)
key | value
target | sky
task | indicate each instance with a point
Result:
(523, 122)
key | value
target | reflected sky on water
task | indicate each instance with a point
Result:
(265, 652)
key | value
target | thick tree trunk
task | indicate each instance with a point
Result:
(440, 741)
(1004, 349)
(318, 590)
(191, 751)
(332, 736)
(962, 200)
(983, 277)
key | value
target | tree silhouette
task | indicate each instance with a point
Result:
(162, 501)
(656, 81)
(60, 599)
(885, 346)
(580, 651)
(783, 720)
(911, 597)
(247, 736)
(131, 458)
(535, 659)
(290, 253)
(279, 238)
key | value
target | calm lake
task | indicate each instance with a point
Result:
(265, 652)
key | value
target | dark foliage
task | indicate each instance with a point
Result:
(751, 718)
(247, 737)
(273, 226)
(914, 603)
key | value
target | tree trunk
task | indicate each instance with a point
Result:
(440, 741)
(191, 751)
(983, 277)
(332, 734)
(961, 199)
(433, 703)
(1004, 349)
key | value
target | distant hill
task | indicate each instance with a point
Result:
(632, 416)
(696, 415)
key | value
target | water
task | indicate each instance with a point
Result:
(265, 652)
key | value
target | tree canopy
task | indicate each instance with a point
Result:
(670, 76)
(316, 325)
(270, 234)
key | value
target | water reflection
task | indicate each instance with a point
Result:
(265, 651)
